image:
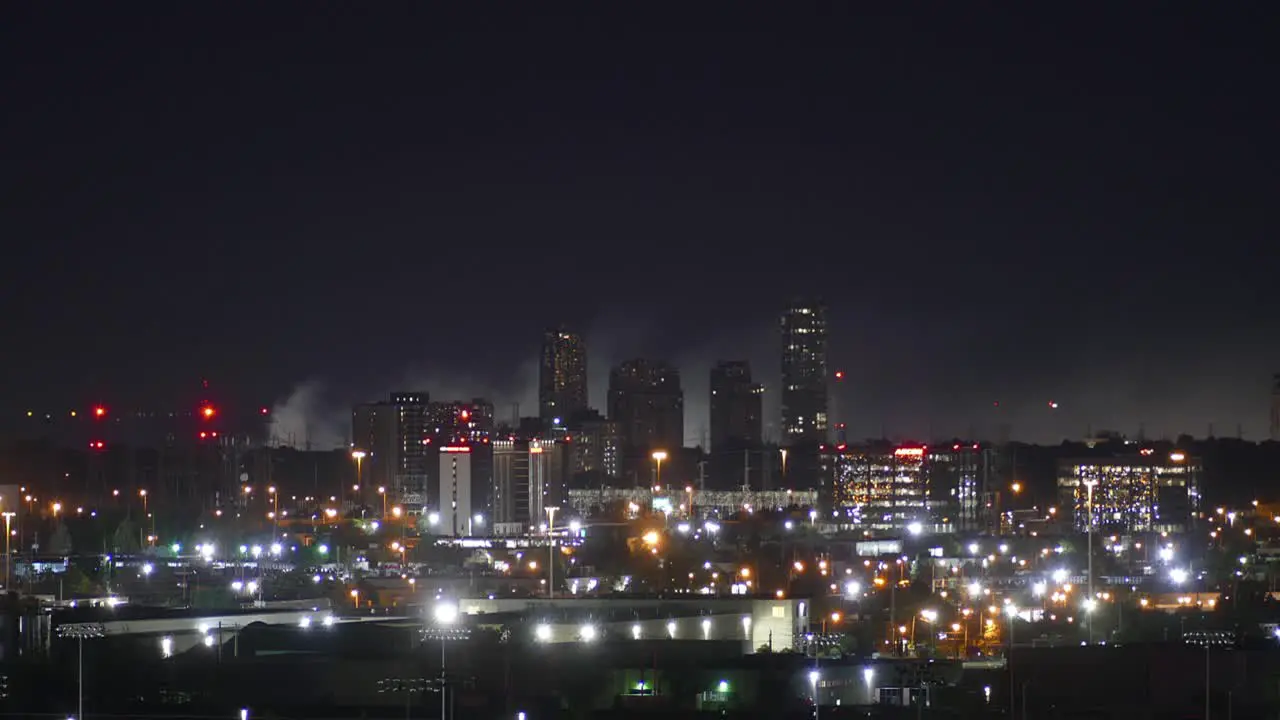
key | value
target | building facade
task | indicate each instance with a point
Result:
(646, 402)
(804, 374)
(528, 478)
(454, 500)
(879, 488)
(392, 434)
(960, 476)
(1147, 492)
(562, 375)
(596, 447)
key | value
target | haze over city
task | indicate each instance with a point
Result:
(342, 206)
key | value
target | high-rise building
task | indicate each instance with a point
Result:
(1147, 492)
(460, 422)
(510, 485)
(804, 374)
(960, 476)
(391, 433)
(736, 407)
(528, 477)
(1275, 408)
(562, 376)
(646, 402)
(454, 500)
(595, 448)
(737, 417)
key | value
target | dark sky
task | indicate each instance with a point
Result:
(350, 198)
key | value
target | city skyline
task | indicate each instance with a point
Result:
(1088, 229)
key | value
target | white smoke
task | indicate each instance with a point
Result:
(307, 420)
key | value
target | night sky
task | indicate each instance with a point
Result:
(312, 207)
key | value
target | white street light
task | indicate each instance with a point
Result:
(543, 632)
(587, 633)
(445, 613)
(1178, 576)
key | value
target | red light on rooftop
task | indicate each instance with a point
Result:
(264, 411)
(203, 435)
(464, 414)
(96, 445)
(207, 412)
(99, 412)
(839, 374)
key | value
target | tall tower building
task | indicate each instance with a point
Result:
(1275, 407)
(736, 407)
(391, 433)
(646, 402)
(737, 420)
(562, 376)
(454, 498)
(804, 374)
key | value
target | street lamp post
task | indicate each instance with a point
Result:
(446, 614)
(1088, 484)
(814, 676)
(80, 631)
(359, 456)
(551, 551)
(658, 457)
(8, 560)
(275, 508)
(146, 515)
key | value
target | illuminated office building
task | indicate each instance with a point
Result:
(562, 376)
(1148, 492)
(879, 488)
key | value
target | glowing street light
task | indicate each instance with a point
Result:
(445, 613)
(658, 456)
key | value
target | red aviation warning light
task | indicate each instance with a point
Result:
(99, 412)
(839, 374)
(208, 411)
(464, 414)
(264, 411)
(97, 445)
